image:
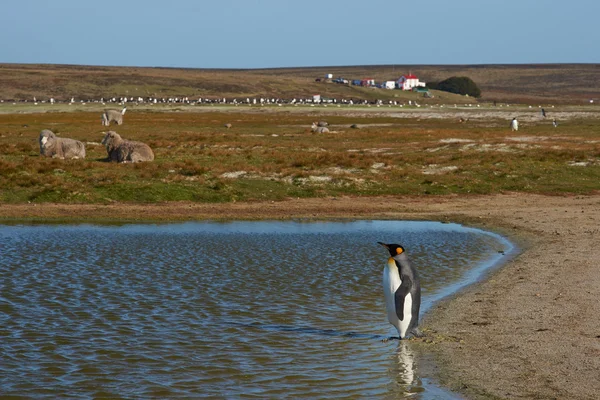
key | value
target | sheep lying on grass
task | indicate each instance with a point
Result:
(55, 147)
(109, 116)
(319, 129)
(122, 151)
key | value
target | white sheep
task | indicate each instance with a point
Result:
(122, 151)
(55, 147)
(109, 116)
(319, 129)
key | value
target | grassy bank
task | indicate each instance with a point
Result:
(270, 154)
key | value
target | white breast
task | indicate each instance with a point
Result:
(407, 315)
(391, 282)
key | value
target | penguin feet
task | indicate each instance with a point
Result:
(417, 333)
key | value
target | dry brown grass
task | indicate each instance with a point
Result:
(547, 83)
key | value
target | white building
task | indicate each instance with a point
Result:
(408, 82)
(390, 84)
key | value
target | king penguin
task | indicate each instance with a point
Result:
(402, 292)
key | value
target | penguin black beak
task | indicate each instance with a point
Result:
(387, 246)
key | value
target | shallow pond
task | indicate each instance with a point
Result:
(223, 310)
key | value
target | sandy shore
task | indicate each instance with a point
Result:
(530, 330)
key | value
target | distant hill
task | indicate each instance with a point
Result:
(543, 83)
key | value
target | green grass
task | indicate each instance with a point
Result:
(271, 155)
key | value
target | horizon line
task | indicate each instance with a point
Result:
(304, 67)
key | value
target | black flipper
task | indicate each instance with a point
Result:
(400, 295)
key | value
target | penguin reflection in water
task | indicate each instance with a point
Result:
(402, 292)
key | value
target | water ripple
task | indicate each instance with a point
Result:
(223, 310)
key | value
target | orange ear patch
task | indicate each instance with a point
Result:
(399, 250)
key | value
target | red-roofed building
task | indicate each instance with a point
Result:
(408, 82)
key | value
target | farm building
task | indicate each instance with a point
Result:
(389, 84)
(407, 82)
(367, 82)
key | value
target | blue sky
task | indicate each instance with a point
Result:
(281, 33)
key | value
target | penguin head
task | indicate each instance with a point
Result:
(394, 249)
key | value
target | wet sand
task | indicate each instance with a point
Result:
(531, 329)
